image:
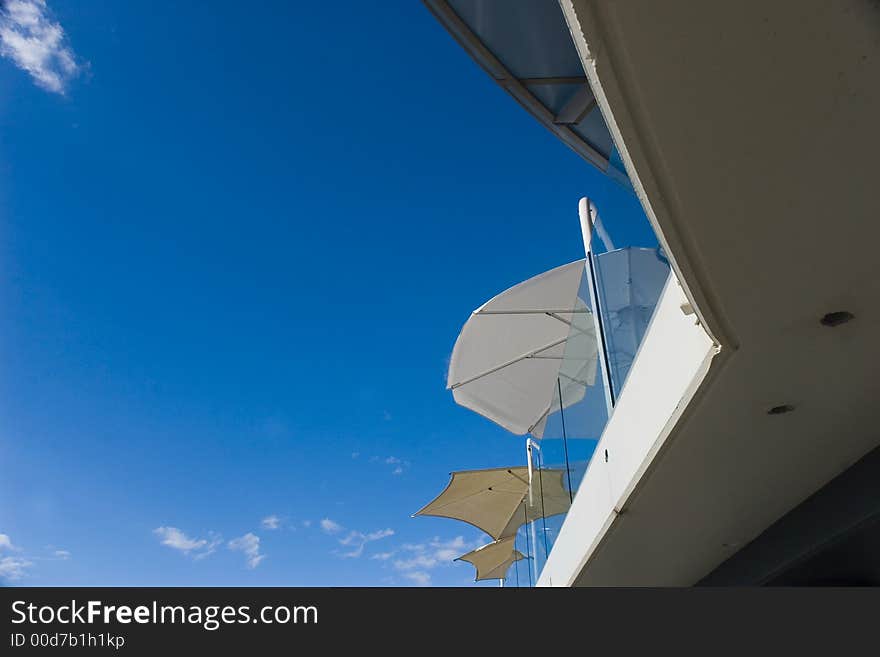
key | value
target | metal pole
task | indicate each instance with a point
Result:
(543, 511)
(516, 563)
(529, 463)
(585, 209)
(528, 549)
(564, 441)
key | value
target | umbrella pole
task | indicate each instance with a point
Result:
(516, 563)
(529, 463)
(543, 511)
(535, 544)
(531, 503)
(564, 442)
(528, 549)
(585, 209)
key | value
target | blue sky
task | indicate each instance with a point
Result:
(237, 242)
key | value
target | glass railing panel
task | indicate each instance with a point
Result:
(629, 282)
(628, 286)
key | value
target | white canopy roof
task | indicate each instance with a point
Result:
(510, 353)
(496, 500)
(493, 560)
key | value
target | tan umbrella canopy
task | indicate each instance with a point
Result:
(496, 500)
(493, 560)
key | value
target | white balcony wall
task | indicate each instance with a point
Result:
(669, 367)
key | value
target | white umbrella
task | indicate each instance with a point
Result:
(492, 561)
(519, 350)
(496, 501)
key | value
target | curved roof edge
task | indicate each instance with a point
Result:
(562, 120)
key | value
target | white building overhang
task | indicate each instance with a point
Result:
(749, 131)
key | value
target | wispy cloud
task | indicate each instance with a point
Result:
(331, 526)
(353, 539)
(421, 558)
(398, 465)
(36, 43)
(419, 577)
(14, 565)
(270, 522)
(382, 556)
(358, 541)
(449, 550)
(307, 523)
(249, 544)
(198, 547)
(13, 568)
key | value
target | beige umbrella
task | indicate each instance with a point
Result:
(493, 560)
(496, 500)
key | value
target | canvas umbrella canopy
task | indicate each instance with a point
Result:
(492, 561)
(526, 350)
(496, 500)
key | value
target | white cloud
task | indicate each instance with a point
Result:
(271, 522)
(355, 455)
(307, 523)
(12, 568)
(399, 464)
(382, 556)
(6, 543)
(359, 540)
(382, 533)
(64, 555)
(250, 545)
(418, 561)
(331, 526)
(419, 577)
(429, 555)
(449, 550)
(174, 538)
(36, 44)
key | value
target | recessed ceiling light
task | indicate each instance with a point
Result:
(836, 318)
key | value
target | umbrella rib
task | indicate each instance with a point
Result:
(491, 489)
(460, 499)
(541, 417)
(512, 361)
(550, 405)
(565, 321)
(573, 380)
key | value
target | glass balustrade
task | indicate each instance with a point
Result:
(619, 293)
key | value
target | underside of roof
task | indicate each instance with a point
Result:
(527, 49)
